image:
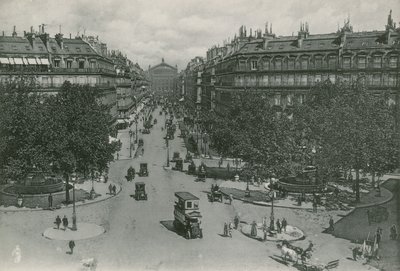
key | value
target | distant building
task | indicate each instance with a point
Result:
(163, 77)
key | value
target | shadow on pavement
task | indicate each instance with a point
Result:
(169, 225)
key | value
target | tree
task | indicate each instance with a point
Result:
(352, 128)
(64, 133)
(83, 144)
(255, 131)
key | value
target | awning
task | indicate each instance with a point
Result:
(31, 61)
(44, 61)
(4, 60)
(18, 61)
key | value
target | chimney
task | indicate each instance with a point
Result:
(14, 34)
(45, 39)
(30, 36)
(59, 40)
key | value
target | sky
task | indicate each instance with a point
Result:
(178, 30)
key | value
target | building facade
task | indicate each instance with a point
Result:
(285, 68)
(80, 60)
(163, 77)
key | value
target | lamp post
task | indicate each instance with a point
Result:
(136, 121)
(272, 195)
(73, 179)
(167, 139)
(130, 143)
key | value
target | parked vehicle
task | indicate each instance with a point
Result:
(187, 218)
(146, 131)
(143, 170)
(215, 194)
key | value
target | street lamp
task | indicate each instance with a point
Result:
(136, 121)
(272, 196)
(73, 179)
(130, 143)
(167, 138)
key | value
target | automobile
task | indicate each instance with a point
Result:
(187, 217)
(146, 131)
(201, 176)
(143, 172)
(141, 142)
(178, 165)
(192, 168)
(215, 194)
(140, 191)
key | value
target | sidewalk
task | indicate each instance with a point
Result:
(258, 197)
(101, 189)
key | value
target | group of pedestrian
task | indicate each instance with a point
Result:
(229, 226)
(228, 229)
(64, 221)
(112, 189)
(281, 225)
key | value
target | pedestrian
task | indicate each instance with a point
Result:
(114, 189)
(17, 254)
(117, 155)
(58, 222)
(264, 233)
(253, 232)
(65, 222)
(230, 227)
(230, 199)
(142, 151)
(284, 224)
(314, 204)
(110, 187)
(378, 235)
(393, 232)
(369, 217)
(228, 166)
(236, 221)
(71, 245)
(331, 222)
(225, 229)
(50, 199)
(299, 200)
(278, 225)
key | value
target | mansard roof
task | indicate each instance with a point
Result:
(21, 45)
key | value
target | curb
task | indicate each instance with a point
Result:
(63, 207)
(300, 208)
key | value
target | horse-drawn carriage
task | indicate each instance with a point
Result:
(187, 216)
(130, 175)
(143, 172)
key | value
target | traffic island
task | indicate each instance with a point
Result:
(84, 231)
(291, 234)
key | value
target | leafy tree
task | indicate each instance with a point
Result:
(64, 133)
(351, 128)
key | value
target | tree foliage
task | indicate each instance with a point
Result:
(61, 133)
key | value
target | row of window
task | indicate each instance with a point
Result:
(68, 63)
(330, 62)
(308, 80)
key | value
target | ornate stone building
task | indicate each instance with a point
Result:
(286, 67)
(163, 77)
